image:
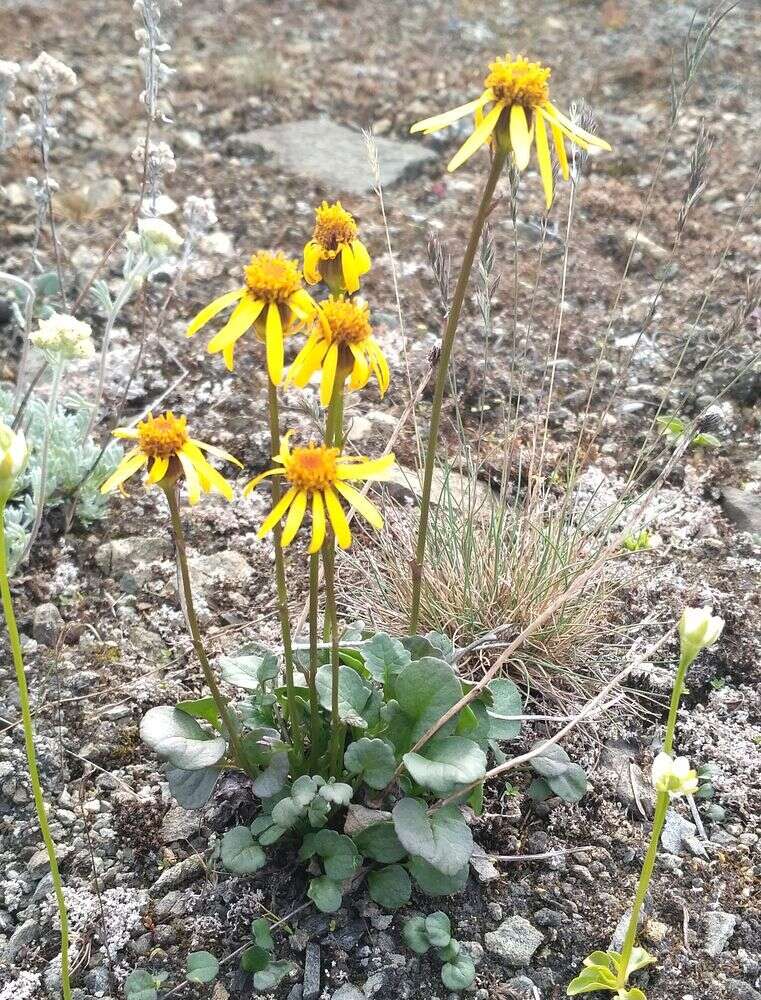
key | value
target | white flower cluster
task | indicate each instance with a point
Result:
(155, 238)
(673, 775)
(8, 73)
(51, 75)
(199, 213)
(64, 336)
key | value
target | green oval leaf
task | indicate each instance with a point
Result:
(373, 759)
(178, 738)
(390, 887)
(201, 967)
(240, 853)
(325, 894)
(445, 763)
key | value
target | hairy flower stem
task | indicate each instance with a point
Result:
(280, 582)
(661, 806)
(453, 319)
(334, 439)
(169, 487)
(336, 729)
(314, 705)
(26, 715)
(676, 695)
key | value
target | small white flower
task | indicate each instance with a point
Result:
(699, 628)
(65, 336)
(51, 74)
(673, 775)
(13, 455)
(158, 239)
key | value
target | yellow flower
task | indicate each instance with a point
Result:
(519, 95)
(165, 441)
(272, 301)
(321, 474)
(335, 235)
(341, 343)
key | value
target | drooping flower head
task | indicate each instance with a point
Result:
(62, 336)
(156, 238)
(335, 253)
(13, 457)
(342, 344)
(272, 301)
(320, 474)
(514, 110)
(164, 442)
(673, 775)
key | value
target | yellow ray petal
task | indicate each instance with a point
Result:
(302, 304)
(543, 155)
(213, 478)
(312, 263)
(308, 360)
(360, 373)
(349, 270)
(158, 470)
(277, 512)
(218, 452)
(375, 468)
(126, 468)
(361, 257)
(253, 483)
(434, 123)
(337, 518)
(382, 371)
(593, 140)
(242, 318)
(519, 136)
(192, 480)
(367, 509)
(477, 137)
(210, 311)
(228, 355)
(295, 517)
(274, 344)
(329, 366)
(557, 137)
(318, 523)
(128, 433)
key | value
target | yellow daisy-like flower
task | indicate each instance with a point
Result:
(321, 474)
(520, 110)
(341, 343)
(165, 442)
(272, 300)
(335, 253)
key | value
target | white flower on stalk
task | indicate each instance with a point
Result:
(156, 238)
(13, 456)
(65, 336)
(699, 628)
(673, 775)
(51, 74)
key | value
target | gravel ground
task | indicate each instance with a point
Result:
(103, 633)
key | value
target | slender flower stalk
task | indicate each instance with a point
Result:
(331, 618)
(453, 319)
(314, 705)
(280, 580)
(231, 723)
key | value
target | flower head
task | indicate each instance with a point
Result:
(63, 335)
(673, 775)
(13, 456)
(335, 252)
(156, 238)
(514, 110)
(164, 441)
(341, 342)
(321, 474)
(272, 300)
(699, 628)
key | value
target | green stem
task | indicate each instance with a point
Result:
(676, 694)
(231, 724)
(280, 581)
(31, 756)
(314, 705)
(328, 562)
(335, 417)
(447, 342)
(661, 806)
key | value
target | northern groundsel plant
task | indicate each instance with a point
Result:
(335, 254)
(672, 778)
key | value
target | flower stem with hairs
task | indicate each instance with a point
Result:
(331, 617)
(453, 319)
(26, 716)
(314, 706)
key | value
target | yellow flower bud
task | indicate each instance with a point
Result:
(13, 455)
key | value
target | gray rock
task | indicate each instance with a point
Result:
(514, 941)
(296, 992)
(522, 988)
(720, 927)
(312, 965)
(47, 625)
(628, 780)
(617, 940)
(21, 938)
(742, 508)
(549, 918)
(475, 950)
(483, 866)
(180, 875)
(179, 824)
(123, 554)
(675, 829)
(228, 569)
(349, 992)
(738, 990)
(331, 154)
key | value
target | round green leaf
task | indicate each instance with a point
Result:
(432, 882)
(271, 780)
(373, 759)
(201, 967)
(339, 854)
(414, 935)
(390, 887)
(438, 928)
(140, 985)
(254, 959)
(458, 975)
(424, 691)
(446, 762)
(177, 737)
(385, 657)
(337, 792)
(240, 852)
(260, 928)
(506, 701)
(379, 842)
(325, 894)
(266, 980)
(443, 840)
(353, 694)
